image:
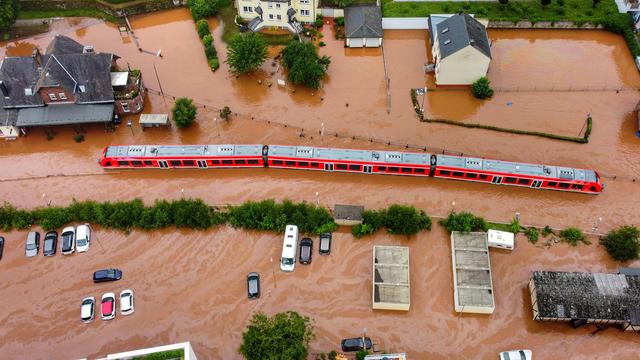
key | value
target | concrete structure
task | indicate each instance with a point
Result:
(580, 298)
(460, 48)
(154, 120)
(188, 353)
(473, 286)
(401, 356)
(348, 215)
(419, 23)
(391, 287)
(363, 26)
(287, 14)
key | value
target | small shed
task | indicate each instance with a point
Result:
(348, 215)
(154, 120)
(391, 288)
(363, 26)
(472, 284)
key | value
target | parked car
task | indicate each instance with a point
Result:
(306, 251)
(108, 306)
(253, 285)
(516, 355)
(107, 275)
(325, 244)
(126, 302)
(33, 244)
(356, 344)
(1, 246)
(87, 309)
(83, 238)
(68, 240)
(50, 243)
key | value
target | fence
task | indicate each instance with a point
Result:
(331, 12)
(420, 23)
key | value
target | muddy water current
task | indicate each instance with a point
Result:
(190, 285)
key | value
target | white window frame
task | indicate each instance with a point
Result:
(304, 12)
(125, 106)
(277, 5)
(279, 17)
(52, 97)
(304, 1)
(62, 96)
(270, 16)
(270, 5)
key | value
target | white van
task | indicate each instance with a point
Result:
(500, 239)
(289, 248)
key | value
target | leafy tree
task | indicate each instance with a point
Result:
(503, 2)
(532, 234)
(342, 3)
(8, 13)
(210, 52)
(481, 89)
(225, 113)
(202, 26)
(214, 64)
(184, 112)
(285, 336)
(246, 52)
(545, 2)
(595, 3)
(406, 220)
(207, 40)
(304, 65)
(623, 243)
(203, 8)
(464, 222)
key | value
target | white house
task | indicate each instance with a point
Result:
(288, 14)
(363, 26)
(631, 7)
(461, 50)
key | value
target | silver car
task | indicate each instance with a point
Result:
(33, 244)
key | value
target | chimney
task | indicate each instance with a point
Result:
(3, 88)
(37, 57)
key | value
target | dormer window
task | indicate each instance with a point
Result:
(446, 30)
(53, 97)
(446, 42)
(82, 88)
(62, 96)
(28, 92)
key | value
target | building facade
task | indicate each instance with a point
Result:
(287, 14)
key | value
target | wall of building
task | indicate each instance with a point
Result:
(134, 105)
(461, 68)
(298, 5)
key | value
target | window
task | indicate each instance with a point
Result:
(277, 162)
(188, 163)
(354, 167)
(247, 9)
(279, 17)
(341, 166)
(314, 164)
(392, 168)
(303, 163)
(446, 30)
(53, 97)
(215, 162)
(483, 177)
(577, 186)
(304, 1)
(290, 163)
(304, 12)
(277, 6)
(123, 163)
(125, 106)
(406, 170)
(382, 168)
(523, 181)
(252, 162)
(227, 162)
(510, 180)
(419, 171)
(270, 16)
(471, 176)
(552, 183)
(62, 96)
(241, 162)
(564, 185)
(175, 163)
(148, 162)
(447, 42)
(458, 173)
(136, 163)
(270, 5)
(445, 172)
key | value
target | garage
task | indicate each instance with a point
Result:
(356, 43)
(363, 26)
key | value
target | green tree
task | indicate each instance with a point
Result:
(622, 243)
(225, 113)
(184, 112)
(406, 220)
(202, 26)
(464, 222)
(304, 65)
(503, 2)
(246, 52)
(285, 336)
(203, 8)
(342, 3)
(573, 235)
(545, 2)
(481, 89)
(8, 13)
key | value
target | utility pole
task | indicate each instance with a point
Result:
(158, 78)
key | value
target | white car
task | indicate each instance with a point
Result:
(68, 240)
(83, 238)
(108, 306)
(126, 302)
(516, 355)
(87, 309)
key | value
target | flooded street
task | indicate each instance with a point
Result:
(190, 286)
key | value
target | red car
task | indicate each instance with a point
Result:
(108, 307)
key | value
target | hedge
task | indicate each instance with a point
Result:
(397, 219)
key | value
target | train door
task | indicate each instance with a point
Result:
(367, 169)
(496, 180)
(163, 164)
(202, 164)
(328, 167)
(536, 184)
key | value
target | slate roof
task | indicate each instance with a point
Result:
(62, 45)
(460, 31)
(363, 21)
(17, 74)
(63, 114)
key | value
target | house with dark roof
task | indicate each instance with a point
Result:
(363, 26)
(461, 49)
(68, 84)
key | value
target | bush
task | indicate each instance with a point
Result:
(268, 215)
(481, 89)
(464, 222)
(361, 230)
(193, 214)
(532, 234)
(503, 2)
(342, 3)
(405, 220)
(51, 218)
(572, 236)
(8, 13)
(246, 52)
(361, 354)
(322, 44)
(184, 112)
(318, 23)
(203, 8)
(210, 52)
(164, 355)
(339, 21)
(78, 138)
(202, 26)
(284, 336)
(214, 64)
(622, 243)
(304, 65)
(545, 2)
(225, 113)
(547, 231)
(207, 40)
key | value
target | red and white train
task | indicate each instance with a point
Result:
(356, 161)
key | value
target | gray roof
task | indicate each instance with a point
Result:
(460, 31)
(184, 150)
(363, 21)
(62, 45)
(18, 74)
(348, 212)
(7, 116)
(63, 114)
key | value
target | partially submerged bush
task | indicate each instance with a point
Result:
(622, 243)
(464, 222)
(202, 26)
(532, 234)
(397, 219)
(481, 89)
(573, 235)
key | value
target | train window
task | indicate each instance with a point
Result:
(382, 168)
(136, 163)
(188, 162)
(252, 162)
(215, 162)
(303, 163)
(458, 173)
(175, 162)
(354, 167)
(471, 176)
(393, 168)
(419, 170)
(564, 185)
(552, 183)
(123, 163)
(227, 162)
(241, 162)
(510, 180)
(341, 166)
(445, 172)
(290, 163)
(313, 164)
(524, 181)
(483, 177)
(148, 162)
(277, 162)
(577, 186)
(406, 170)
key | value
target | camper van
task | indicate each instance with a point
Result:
(289, 246)
(500, 239)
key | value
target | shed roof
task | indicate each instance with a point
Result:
(473, 287)
(161, 119)
(363, 21)
(459, 31)
(348, 212)
(119, 78)
(63, 114)
(391, 289)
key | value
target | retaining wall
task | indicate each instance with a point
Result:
(397, 23)
(525, 24)
(332, 12)
(131, 8)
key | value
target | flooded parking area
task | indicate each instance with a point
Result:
(190, 286)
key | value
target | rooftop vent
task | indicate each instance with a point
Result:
(87, 49)
(28, 91)
(82, 88)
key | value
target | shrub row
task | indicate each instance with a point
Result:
(200, 9)
(397, 219)
(184, 213)
(464, 222)
(621, 24)
(210, 52)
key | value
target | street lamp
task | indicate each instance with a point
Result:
(48, 203)
(130, 125)
(518, 217)
(317, 199)
(182, 191)
(215, 120)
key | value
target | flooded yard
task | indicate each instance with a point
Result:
(198, 277)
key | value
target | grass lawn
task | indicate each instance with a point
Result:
(85, 12)
(579, 11)
(228, 14)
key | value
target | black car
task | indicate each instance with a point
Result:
(306, 251)
(1, 246)
(253, 285)
(107, 275)
(356, 344)
(50, 242)
(325, 244)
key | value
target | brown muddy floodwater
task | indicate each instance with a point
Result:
(190, 285)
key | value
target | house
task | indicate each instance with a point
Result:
(631, 7)
(68, 84)
(461, 50)
(287, 14)
(363, 26)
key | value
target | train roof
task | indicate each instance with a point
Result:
(183, 150)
